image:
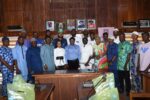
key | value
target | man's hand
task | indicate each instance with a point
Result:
(46, 67)
(125, 67)
(18, 71)
(98, 57)
(11, 68)
(110, 63)
(86, 64)
(66, 66)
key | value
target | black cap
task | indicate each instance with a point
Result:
(5, 38)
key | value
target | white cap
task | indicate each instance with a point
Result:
(33, 39)
(111, 37)
(135, 33)
(116, 29)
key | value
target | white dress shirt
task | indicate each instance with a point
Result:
(91, 42)
(144, 51)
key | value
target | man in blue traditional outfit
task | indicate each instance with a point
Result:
(47, 55)
(112, 54)
(34, 61)
(7, 66)
(19, 54)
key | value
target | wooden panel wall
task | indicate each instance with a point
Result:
(32, 14)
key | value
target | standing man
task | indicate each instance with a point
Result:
(112, 55)
(105, 38)
(135, 79)
(144, 54)
(6, 59)
(48, 33)
(91, 39)
(34, 61)
(116, 36)
(72, 54)
(60, 38)
(39, 41)
(124, 51)
(86, 54)
(47, 55)
(26, 40)
(78, 39)
(19, 54)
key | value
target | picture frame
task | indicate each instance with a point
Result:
(50, 25)
(91, 23)
(144, 23)
(60, 26)
(81, 24)
(71, 24)
(102, 30)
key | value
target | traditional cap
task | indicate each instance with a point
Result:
(116, 29)
(135, 33)
(5, 38)
(111, 37)
(33, 39)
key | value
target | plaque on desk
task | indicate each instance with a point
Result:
(88, 84)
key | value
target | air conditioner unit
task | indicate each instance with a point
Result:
(132, 24)
(14, 28)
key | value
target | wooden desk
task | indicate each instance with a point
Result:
(66, 83)
(146, 88)
(84, 93)
(46, 93)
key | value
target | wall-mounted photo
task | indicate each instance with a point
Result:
(60, 27)
(81, 24)
(91, 24)
(144, 23)
(102, 30)
(71, 24)
(50, 25)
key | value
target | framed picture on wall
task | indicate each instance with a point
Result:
(50, 25)
(81, 24)
(71, 24)
(144, 23)
(102, 30)
(91, 24)
(60, 26)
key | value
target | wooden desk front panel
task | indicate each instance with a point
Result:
(66, 85)
(146, 82)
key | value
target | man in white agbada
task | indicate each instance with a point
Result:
(86, 53)
(19, 54)
(91, 39)
(144, 54)
(78, 38)
(116, 36)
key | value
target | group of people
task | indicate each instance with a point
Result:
(74, 52)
